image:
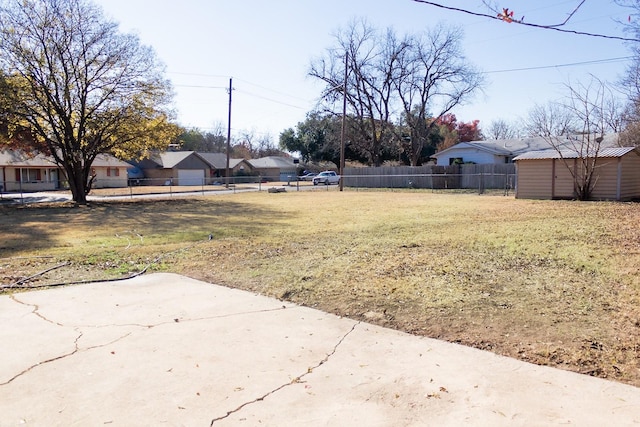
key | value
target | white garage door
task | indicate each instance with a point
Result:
(190, 177)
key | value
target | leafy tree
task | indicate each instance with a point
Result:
(318, 139)
(468, 132)
(80, 86)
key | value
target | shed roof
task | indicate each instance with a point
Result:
(573, 154)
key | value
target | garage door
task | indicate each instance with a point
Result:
(190, 177)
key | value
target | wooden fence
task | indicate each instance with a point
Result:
(468, 176)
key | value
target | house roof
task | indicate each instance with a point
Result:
(572, 154)
(107, 160)
(219, 160)
(167, 159)
(515, 147)
(272, 162)
(216, 160)
(20, 158)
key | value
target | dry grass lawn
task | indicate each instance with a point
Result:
(550, 282)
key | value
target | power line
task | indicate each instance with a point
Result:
(270, 99)
(572, 64)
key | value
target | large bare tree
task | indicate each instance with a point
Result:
(368, 88)
(80, 86)
(575, 128)
(432, 77)
(501, 129)
(392, 79)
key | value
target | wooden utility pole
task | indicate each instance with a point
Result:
(229, 135)
(344, 118)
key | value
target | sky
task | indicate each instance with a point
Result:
(266, 48)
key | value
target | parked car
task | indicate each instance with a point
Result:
(306, 177)
(326, 177)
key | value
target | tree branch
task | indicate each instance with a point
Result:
(528, 24)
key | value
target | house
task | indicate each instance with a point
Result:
(20, 171)
(502, 150)
(188, 168)
(546, 175)
(109, 172)
(275, 168)
(174, 168)
(218, 165)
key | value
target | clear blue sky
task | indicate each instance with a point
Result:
(267, 46)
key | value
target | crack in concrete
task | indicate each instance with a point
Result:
(62, 356)
(182, 320)
(76, 349)
(36, 312)
(296, 380)
(53, 359)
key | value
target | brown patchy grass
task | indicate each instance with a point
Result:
(553, 283)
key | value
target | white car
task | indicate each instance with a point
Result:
(326, 177)
(307, 177)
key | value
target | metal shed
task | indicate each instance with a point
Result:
(545, 174)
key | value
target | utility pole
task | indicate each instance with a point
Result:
(344, 117)
(227, 175)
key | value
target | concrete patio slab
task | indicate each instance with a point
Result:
(163, 349)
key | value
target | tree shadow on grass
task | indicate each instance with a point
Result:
(30, 228)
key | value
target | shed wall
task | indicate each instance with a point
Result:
(563, 187)
(606, 176)
(630, 186)
(534, 179)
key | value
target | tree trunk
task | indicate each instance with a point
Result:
(75, 176)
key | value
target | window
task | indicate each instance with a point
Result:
(28, 175)
(455, 161)
(113, 172)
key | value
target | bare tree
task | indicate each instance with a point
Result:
(80, 86)
(575, 128)
(432, 77)
(501, 129)
(395, 79)
(369, 85)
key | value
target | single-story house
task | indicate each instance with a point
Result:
(188, 168)
(275, 168)
(20, 171)
(502, 150)
(109, 172)
(545, 174)
(218, 165)
(174, 168)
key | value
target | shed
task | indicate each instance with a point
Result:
(545, 174)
